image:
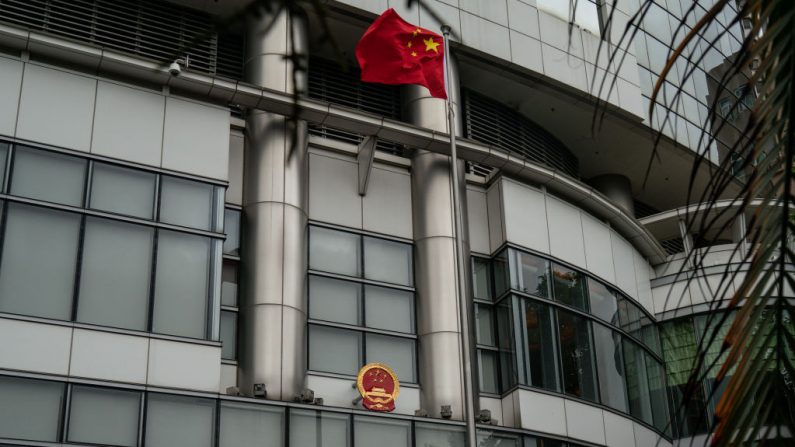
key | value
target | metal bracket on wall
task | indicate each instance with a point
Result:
(365, 156)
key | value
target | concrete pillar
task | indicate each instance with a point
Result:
(273, 278)
(618, 189)
(440, 362)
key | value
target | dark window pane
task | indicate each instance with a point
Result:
(488, 438)
(389, 309)
(569, 287)
(229, 335)
(398, 353)
(370, 431)
(3, 158)
(438, 435)
(48, 176)
(488, 371)
(603, 302)
(104, 416)
(481, 278)
(122, 190)
(637, 382)
(334, 350)
(334, 251)
(232, 230)
(629, 315)
(179, 421)
(388, 261)
(530, 274)
(186, 203)
(610, 366)
(245, 425)
(501, 271)
(540, 346)
(229, 283)
(507, 342)
(485, 327)
(679, 350)
(335, 300)
(37, 271)
(576, 351)
(310, 428)
(30, 409)
(659, 408)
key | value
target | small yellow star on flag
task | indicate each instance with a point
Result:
(431, 45)
(414, 53)
(416, 31)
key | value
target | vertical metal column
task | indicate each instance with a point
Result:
(273, 289)
(438, 308)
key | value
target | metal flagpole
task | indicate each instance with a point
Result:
(463, 299)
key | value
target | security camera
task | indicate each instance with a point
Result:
(174, 69)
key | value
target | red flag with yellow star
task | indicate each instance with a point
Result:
(393, 51)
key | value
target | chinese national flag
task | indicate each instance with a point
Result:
(393, 51)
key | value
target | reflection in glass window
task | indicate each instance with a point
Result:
(540, 346)
(501, 273)
(637, 382)
(530, 274)
(229, 283)
(3, 158)
(179, 421)
(481, 278)
(245, 425)
(37, 269)
(48, 176)
(576, 352)
(437, 435)
(657, 396)
(493, 438)
(334, 251)
(122, 190)
(610, 367)
(181, 284)
(30, 409)
(388, 261)
(389, 309)
(509, 375)
(381, 431)
(603, 302)
(398, 353)
(311, 428)
(186, 203)
(484, 331)
(104, 416)
(488, 371)
(334, 300)
(114, 290)
(334, 350)
(569, 287)
(679, 347)
(232, 230)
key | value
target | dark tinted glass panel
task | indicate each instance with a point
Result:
(232, 230)
(603, 302)
(629, 315)
(679, 350)
(610, 366)
(576, 352)
(637, 382)
(507, 343)
(530, 274)
(481, 278)
(540, 346)
(656, 376)
(569, 287)
(499, 266)
(488, 371)
(484, 329)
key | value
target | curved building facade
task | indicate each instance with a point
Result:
(208, 257)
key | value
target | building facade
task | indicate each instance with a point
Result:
(276, 224)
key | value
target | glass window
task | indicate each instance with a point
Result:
(488, 371)
(123, 191)
(104, 416)
(389, 309)
(484, 329)
(30, 409)
(229, 283)
(398, 353)
(388, 261)
(229, 335)
(576, 352)
(186, 203)
(569, 287)
(183, 266)
(679, 347)
(509, 375)
(437, 435)
(3, 158)
(657, 396)
(610, 366)
(540, 346)
(310, 428)
(530, 274)
(245, 425)
(232, 230)
(501, 273)
(37, 270)
(48, 176)
(179, 421)
(629, 315)
(114, 290)
(481, 278)
(492, 438)
(637, 382)
(334, 300)
(334, 350)
(334, 251)
(371, 431)
(603, 302)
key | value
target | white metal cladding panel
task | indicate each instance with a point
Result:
(643, 279)
(618, 430)
(564, 67)
(10, 85)
(485, 36)
(56, 108)
(35, 347)
(525, 216)
(645, 436)
(374, 6)
(598, 249)
(671, 296)
(496, 221)
(624, 262)
(526, 51)
(196, 139)
(478, 219)
(542, 412)
(234, 192)
(585, 422)
(565, 232)
(183, 365)
(493, 10)
(494, 405)
(333, 191)
(386, 208)
(128, 124)
(109, 356)
(228, 377)
(522, 18)
(450, 16)
(411, 15)
(510, 410)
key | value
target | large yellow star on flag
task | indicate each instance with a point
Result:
(431, 45)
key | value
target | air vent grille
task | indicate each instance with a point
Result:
(491, 122)
(673, 246)
(147, 28)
